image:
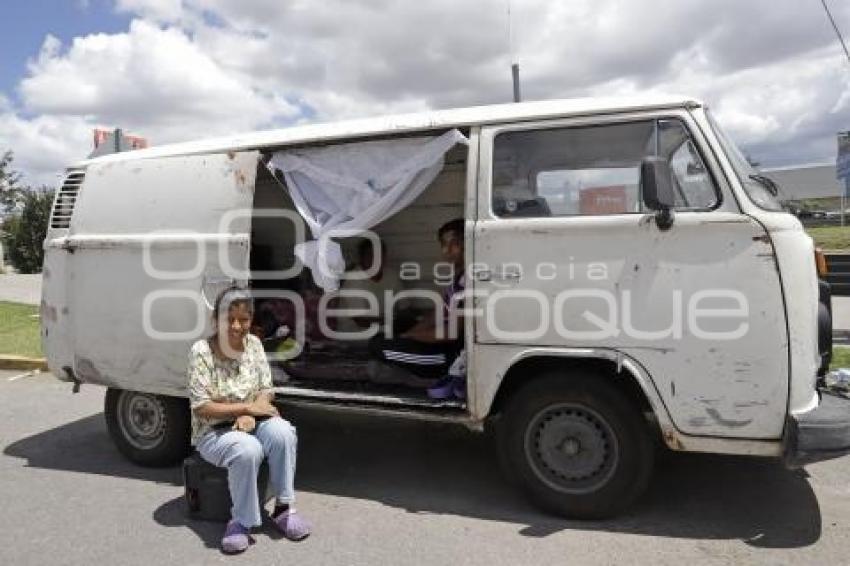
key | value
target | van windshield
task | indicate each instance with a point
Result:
(760, 191)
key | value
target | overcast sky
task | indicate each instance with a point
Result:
(175, 70)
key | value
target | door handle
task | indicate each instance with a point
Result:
(483, 275)
(487, 275)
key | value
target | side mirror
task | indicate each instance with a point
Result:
(656, 181)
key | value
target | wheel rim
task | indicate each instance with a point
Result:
(141, 418)
(571, 448)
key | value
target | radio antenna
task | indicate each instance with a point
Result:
(511, 54)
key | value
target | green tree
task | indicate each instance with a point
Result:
(24, 215)
(10, 191)
(24, 233)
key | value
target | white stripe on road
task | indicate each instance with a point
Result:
(23, 375)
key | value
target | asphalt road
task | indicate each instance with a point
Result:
(391, 492)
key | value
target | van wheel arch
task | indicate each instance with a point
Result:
(149, 430)
(527, 370)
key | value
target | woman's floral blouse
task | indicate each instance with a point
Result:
(212, 379)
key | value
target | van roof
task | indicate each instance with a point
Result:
(404, 123)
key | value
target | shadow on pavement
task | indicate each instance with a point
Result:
(173, 514)
(447, 470)
(84, 446)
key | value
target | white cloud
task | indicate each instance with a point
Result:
(45, 145)
(156, 10)
(771, 69)
(147, 77)
(150, 80)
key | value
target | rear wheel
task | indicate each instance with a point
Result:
(578, 446)
(150, 430)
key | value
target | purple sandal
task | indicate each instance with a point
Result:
(443, 389)
(236, 538)
(449, 387)
(292, 525)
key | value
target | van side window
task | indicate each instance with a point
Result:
(593, 170)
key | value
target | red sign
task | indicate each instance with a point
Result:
(102, 136)
(603, 200)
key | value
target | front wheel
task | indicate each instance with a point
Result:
(578, 446)
(150, 430)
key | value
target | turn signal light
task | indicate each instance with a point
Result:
(820, 262)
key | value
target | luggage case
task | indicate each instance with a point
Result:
(206, 491)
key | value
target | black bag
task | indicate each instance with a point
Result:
(207, 493)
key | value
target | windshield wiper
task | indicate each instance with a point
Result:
(767, 183)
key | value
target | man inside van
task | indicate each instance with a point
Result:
(432, 344)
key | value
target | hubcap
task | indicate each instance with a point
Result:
(142, 419)
(571, 448)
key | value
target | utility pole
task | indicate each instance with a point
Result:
(515, 73)
(842, 169)
(514, 61)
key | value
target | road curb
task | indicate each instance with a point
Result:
(22, 363)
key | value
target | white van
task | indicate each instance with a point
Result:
(630, 279)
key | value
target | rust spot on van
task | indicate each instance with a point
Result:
(671, 440)
(241, 180)
(47, 312)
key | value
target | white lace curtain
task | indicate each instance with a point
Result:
(348, 188)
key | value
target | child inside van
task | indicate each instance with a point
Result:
(427, 348)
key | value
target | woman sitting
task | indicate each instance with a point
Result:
(235, 425)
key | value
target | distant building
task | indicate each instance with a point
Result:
(805, 182)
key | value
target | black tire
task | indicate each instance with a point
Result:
(150, 430)
(577, 445)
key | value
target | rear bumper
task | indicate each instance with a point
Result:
(820, 434)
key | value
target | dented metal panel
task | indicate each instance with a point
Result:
(146, 239)
(494, 362)
(618, 282)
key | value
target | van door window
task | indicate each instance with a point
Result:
(593, 170)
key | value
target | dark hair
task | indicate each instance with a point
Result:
(267, 321)
(367, 244)
(232, 297)
(455, 226)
